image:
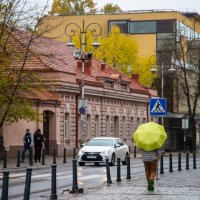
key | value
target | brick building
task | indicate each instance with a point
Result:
(117, 104)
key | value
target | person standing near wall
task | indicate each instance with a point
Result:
(38, 142)
(28, 142)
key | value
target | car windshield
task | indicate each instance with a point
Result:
(100, 142)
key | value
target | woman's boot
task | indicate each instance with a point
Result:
(150, 185)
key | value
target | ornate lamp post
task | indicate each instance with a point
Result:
(71, 30)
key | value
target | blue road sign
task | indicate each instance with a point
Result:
(82, 110)
(158, 107)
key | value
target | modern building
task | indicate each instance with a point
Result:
(117, 104)
(151, 28)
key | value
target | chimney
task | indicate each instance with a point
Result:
(88, 63)
(87, 66)
(79, 63)
(135, 77)
(103, 65)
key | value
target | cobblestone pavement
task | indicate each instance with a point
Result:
(184, 185)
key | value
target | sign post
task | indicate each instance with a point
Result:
(185, 125)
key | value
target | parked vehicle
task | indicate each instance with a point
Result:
(99, 148)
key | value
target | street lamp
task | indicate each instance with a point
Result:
(154, 70)
(71, 30)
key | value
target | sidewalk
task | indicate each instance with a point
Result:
(184, 185)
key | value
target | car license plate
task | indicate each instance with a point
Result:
(91, 157)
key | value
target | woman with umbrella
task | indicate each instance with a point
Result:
(150, 159)
(149, 137)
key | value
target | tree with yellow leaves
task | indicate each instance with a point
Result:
(73, 7)
(118, 50)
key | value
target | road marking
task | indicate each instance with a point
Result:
(61, 177)
(14, 175)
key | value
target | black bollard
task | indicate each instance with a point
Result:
(31, 157)
(118, 170)
(74, 153)
(53, 182)
(135, 151)
(194, 160)
(43, 156)
(64, 156)
(5, 184)
(108, 171)
(170, 163)
(5, 159)
(54, 156)
(75, 182)
(128, 167)
(161, 165)
(18, 158)
(179, 162)
(187, 161)
(27, 184)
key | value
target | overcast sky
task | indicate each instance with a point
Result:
(189, 5)
(153, 4)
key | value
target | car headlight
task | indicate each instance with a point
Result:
(106, 152)
(80, 152)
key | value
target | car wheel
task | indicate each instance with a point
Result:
(96, 164)
(81, 164)
(124, 162)
(112, 163)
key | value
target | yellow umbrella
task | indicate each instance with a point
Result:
(149, 136)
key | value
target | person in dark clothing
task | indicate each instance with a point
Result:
(28, 142)
(38, 141)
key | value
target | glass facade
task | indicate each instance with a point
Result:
(189, 33)
(168, 33)
(166, 26)
(165, 41)
(122, 24)
(142, 27)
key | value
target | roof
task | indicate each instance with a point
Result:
(51, 55)
(42, 95)
(153, 93)
(193, 14)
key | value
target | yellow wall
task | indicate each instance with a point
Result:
(147, 42)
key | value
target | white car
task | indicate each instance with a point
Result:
(99, 148)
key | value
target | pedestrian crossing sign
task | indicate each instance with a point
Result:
(158, 107)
